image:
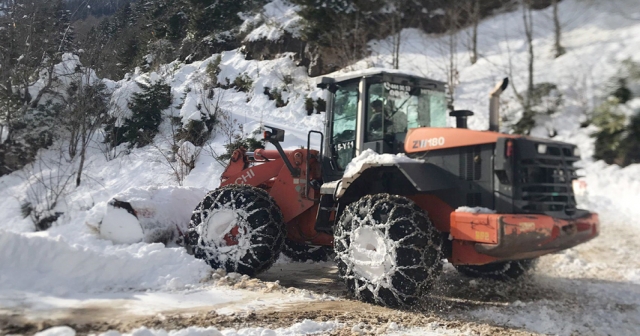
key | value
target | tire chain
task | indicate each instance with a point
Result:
(263, 226)
(420, 237)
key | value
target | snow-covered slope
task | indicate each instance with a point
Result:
(73, 258)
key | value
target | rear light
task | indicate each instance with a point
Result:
(509, 149)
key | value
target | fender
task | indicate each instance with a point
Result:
(401, 178)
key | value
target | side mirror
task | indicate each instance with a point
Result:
(274, 134)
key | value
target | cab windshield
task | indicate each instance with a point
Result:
(393, 109)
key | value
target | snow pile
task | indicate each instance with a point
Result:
(58, 331)
(306, 327)
(35, 262)
(160, 214)
(475, 210)
(613, 191)
(277, 18)
(370, 157)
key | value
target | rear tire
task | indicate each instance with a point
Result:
(505, 270)
(301, 252)
(238, 228)
(387, 250)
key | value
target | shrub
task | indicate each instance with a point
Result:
(213, 70)
(275, 94)
(195, 132)
(308, 105)
(243, 83)
(321, 105)
(249, 142)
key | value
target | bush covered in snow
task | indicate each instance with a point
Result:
(146, 116)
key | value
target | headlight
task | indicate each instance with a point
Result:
(576, 152)
(542, 149)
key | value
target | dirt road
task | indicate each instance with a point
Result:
(591, 290)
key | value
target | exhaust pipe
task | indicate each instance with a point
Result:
(494, 105)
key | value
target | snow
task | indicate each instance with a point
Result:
(346, 74)
(306, 327)
(121, 227)
(476, 210)
(373, 255)
(161, 214)
(64, 267)
(57, 331)
(370, 157)
(277, 18)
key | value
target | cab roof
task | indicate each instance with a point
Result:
(381, 74)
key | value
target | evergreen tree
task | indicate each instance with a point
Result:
(611, 126)
(631, 144)
(146, 108)
(213, 16)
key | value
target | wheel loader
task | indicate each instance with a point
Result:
(392, 191)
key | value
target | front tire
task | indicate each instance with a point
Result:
(387, 250)
(238, 228)
(505, 270)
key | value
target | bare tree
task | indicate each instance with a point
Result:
(396, 37)
(528, 31)
(179, 155)
(348, 40)
(85, 111)
(558, 48)
(448, 48)
(48, 183)
(472, 10)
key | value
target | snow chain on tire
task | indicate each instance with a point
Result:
(256, 232)
(506, 270)
(387, 250)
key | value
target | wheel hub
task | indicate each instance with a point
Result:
(222, 226)
(373, 255)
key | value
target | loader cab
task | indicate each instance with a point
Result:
(374, 110)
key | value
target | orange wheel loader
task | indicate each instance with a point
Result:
(391, 192)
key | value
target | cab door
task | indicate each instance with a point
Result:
(342, 130)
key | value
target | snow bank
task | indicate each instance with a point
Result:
(160, 214)
(35, 262)
(57, 331)
(370, 157)
(613, 191)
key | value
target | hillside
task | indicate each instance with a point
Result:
(74, 274)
